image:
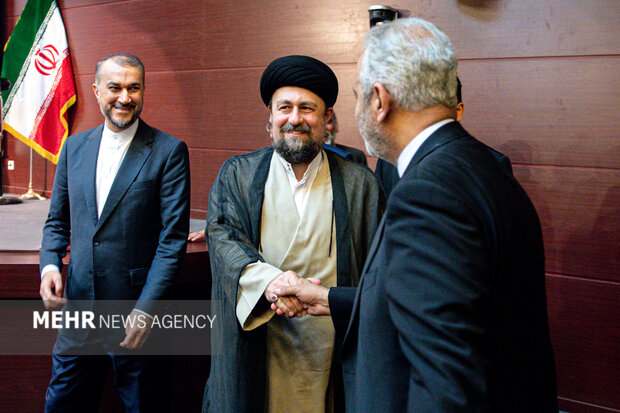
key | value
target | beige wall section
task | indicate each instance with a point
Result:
(540, 82)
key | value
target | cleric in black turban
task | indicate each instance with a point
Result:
(300, 71)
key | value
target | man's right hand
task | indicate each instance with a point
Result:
(51, 290)
(313, 296)
(291, 306)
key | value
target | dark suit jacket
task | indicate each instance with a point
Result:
(134, 250)
(450, 314)
(388, 174)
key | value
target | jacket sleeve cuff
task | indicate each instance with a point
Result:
(341, 301)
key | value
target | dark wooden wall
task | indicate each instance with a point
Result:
(540, 83)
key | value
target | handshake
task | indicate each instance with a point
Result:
(293, 296)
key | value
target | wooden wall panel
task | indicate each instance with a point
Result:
(24, 381)
(13, 8)
(545, 111)
(551, 128)
(546, 28)
(534, 111)
(138, 27)
(226, 33)
(212, 109)
(67, 4)
(530, 126)
(19, 279)
(554, 128)
(204, 166)
(540, 81)
(580, 214)
(209, 109)
(585, 336)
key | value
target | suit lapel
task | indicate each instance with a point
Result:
(89, 170)
(137, 153)
(374, 246)
(446, 133)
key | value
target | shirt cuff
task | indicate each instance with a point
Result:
(48, 268)
(142, 312)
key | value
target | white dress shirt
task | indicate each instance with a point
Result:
(408, 153)
(112, 151)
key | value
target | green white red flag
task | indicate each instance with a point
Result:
(36, 61)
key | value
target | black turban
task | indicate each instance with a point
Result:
(301, 71)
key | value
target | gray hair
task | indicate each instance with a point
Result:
(413, 60)
(121, 59)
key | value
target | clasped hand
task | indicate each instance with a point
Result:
(291, 306)
(294, 296)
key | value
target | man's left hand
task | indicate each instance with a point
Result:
(137, 330)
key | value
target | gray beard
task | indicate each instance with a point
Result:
(295, 151)
(376, 140)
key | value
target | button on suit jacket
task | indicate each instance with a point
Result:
(134, 249)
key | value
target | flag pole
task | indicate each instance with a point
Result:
(31, 194)
(4, 200)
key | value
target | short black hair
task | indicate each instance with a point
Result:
(123, 59)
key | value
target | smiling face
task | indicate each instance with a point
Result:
(119, 91)
(298, 118)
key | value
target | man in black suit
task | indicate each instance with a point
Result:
(388, 175)
(121, 199)
(450, 313)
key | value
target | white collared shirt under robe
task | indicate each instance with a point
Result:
(299, 351)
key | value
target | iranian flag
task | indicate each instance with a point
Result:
(36, 61)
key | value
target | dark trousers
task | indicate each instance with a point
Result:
(78, 381)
